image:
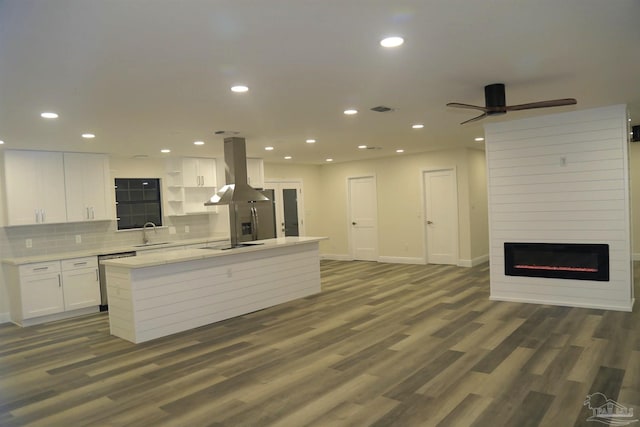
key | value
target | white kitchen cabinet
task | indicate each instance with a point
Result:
(87, 187)
(40, 289)
(52, 290)
(190, 181)
(80, 283)
(34, 187)
(255, 173)
(198, 172)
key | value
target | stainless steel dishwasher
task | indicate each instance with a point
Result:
(104, 303)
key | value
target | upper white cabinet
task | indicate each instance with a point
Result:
(86, 183)
(198, 172)
(34, 185)
(255, 173)
(190, 181)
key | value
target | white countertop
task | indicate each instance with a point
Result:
(175, 256)
(140, 249)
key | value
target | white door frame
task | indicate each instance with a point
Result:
(456, 249)
(348, 213)
(276, 184)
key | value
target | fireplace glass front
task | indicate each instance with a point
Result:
(557, 260)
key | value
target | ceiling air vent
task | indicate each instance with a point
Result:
(382, 109)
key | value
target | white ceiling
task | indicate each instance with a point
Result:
(150, 74)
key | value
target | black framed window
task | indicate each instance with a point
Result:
(138, 202)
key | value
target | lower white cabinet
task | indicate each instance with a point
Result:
(52, 290)
(80, 283)
(40, 289)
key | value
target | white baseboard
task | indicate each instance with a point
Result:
(401, 260)
(567, 303)
(336, 257)
(473, 262)
(5, 317)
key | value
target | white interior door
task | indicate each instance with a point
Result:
(362, 218)
(441, 216)
(289, 204)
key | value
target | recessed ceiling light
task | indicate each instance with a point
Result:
(49, 115)
(417, 126)
(198, 142)
(165, 150)
(269, 148)
(400, 150)
(88, 135)
(478, 139)
(1, 142)
(394, 41)
(287, 157)
(362, 146)
(310, 141)
(239, 88)
(329, 160)
(350, 112)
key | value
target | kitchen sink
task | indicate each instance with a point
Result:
(144, 245)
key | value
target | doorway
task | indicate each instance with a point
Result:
(289, 207)
(363, 230)
(441, 216)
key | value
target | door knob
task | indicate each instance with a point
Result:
(353, 223)
(429, 222)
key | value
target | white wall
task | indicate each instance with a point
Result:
(561, 178)
(400, 208)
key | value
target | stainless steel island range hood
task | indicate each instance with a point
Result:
(237, 189)
(237, 193)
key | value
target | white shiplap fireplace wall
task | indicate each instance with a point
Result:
(561, 178)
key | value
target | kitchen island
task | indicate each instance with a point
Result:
(159, 294)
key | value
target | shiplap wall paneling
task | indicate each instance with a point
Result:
(561, 178)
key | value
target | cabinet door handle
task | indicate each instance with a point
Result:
(40, 268)
(87, 213)
(80, 263)
(93, 214)
(59, 281)
(97, 277)
(43, 215)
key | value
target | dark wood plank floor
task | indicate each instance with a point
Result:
(382, 345)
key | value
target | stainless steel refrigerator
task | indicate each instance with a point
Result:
(256, 221)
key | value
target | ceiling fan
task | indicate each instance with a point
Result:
(495, 103)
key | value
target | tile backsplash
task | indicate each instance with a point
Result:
(54, 238)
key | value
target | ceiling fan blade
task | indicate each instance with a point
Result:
(481, 116)
(542, 104)
(472, 107)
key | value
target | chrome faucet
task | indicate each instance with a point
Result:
(145, 239)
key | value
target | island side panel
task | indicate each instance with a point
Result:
(175, 297)
(119, 295)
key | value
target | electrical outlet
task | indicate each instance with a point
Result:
(78, 238)
(28, 243)
(186, 228)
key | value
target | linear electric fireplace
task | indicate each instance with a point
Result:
(557, 260)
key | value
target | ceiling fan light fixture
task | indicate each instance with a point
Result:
(495, 103)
